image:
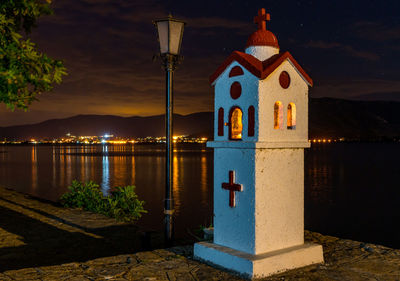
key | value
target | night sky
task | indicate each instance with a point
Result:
(351, 49)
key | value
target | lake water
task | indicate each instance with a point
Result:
(351, 190)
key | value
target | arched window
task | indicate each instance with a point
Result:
(278, 115)
(251, 115)
(220, 121)
(235, 123)
(291, 116)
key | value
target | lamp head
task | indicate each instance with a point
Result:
(170, 32)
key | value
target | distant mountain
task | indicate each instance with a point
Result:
(97, 125)
(328, 117)
(385, 96)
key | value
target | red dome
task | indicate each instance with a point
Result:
(262, 38)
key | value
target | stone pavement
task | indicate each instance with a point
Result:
(41, 241)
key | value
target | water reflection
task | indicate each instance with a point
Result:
(105, 183)
(34, 167)
(350, 189)
(204, 180)
(54, 164)
(67, 163)
(132, 169)
(319, 175)
(175, 183)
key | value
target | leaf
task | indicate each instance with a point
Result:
(25, 72)
(122, 204)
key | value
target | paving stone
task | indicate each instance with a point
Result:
(23, 274)
(64, 233)
(146, 257)
(4, 277)
(121, 259)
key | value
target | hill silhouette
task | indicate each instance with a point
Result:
(97, 125)
(328, 117)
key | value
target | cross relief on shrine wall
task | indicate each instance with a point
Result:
(232, 187)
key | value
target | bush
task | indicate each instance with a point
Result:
(122, 204)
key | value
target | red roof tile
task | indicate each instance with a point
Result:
(260, 69)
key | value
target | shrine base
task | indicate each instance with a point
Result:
(257, 266)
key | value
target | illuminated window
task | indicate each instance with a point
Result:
(220, 122)
(251, 115)
(278, 115)
(291, 116)
(235, 124)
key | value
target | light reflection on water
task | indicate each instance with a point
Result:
(351, 190)
(47, 171)
(105, 182)
(34, 168)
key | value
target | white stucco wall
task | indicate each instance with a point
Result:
(271, 91)
(234, 227)
(249, 84)
(262, 52)
(279, 196)
(269, 211)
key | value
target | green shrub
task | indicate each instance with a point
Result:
(122, 204)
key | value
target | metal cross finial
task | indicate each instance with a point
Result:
(261, 19)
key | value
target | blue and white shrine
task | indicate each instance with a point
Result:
(261, 130)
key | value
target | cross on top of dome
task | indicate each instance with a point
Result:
(262, 37)
(261, 19)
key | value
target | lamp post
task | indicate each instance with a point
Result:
(170, 33)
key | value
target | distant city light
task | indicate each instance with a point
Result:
(106, 139)
(325, 140)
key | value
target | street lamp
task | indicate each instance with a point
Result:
(170, 33)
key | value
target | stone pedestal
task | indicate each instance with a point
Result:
(261, 265)
(262, 232)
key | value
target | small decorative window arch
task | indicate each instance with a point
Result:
(284, 79)
(220, 121)
(236, 71)
(251, 118)
(291, 116)
(235, 123)
(278, 115)
(236, 90)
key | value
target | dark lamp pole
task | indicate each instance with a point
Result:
(170, 33)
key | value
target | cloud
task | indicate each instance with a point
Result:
(342, 47)
(242, 27)
(346, 88)
(323, 45)
(376, 31)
